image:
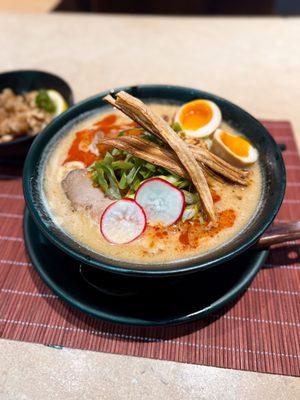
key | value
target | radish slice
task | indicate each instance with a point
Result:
(162, 202)
(122, 221)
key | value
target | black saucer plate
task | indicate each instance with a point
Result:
(139, 301)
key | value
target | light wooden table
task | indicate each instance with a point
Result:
(253, 62)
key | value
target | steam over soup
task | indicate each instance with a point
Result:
(139, 195)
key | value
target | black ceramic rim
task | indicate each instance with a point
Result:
(189, 266)
(231, 295)
(70, 101)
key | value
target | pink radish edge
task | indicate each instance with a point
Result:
(168, 184)
(111, 205)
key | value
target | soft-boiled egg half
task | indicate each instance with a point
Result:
(234, 149)
(199, 118)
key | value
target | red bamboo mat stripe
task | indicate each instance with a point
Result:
(259, 333)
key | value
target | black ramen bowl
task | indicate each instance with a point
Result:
(24, 81)
(273, 187)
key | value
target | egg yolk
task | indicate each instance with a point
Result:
(236, 144)
(195, 115)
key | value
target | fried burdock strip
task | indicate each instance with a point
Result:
(153, 154)
(157, 155)
(203, 156)
(145, 117)
(210, 159)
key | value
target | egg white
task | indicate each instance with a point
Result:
(220, 149)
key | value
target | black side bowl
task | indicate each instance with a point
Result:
(23, 81)
(271, 162)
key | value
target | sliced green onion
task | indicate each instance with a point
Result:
(135, 184)
(108, 158)
(152, 138)
(123, 182)
(102, 181)
(132, 174)
(190, 212)
(190, 198)
(151, 167)
(116, 152)
(176, 127)
(122, 165)
(169, 178)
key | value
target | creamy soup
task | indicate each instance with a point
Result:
(235, 205)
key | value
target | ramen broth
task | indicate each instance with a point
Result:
(234, 204)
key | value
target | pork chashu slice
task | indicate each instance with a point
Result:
(145, 117)
(79, 189)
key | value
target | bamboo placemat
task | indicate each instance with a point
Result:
(259, 333)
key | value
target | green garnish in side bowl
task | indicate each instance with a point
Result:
(44, 101)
